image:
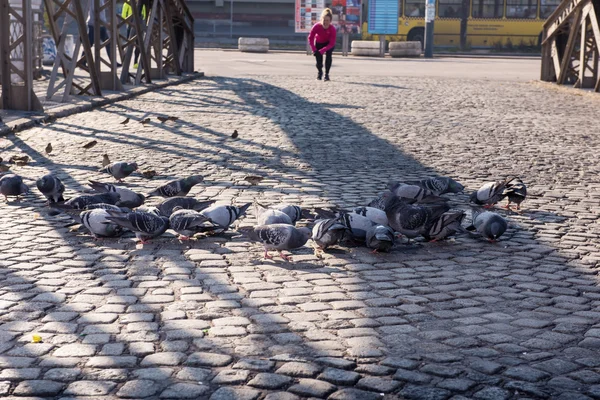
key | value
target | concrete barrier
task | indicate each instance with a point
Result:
(253, 45)
(365, 48)
(405, 49)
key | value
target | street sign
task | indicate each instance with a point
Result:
(383, 17)
(308, 13)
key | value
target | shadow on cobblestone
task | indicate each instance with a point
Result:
(427, 321)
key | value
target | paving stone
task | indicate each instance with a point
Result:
(492, 393)
(339, 376)
(312, 388)
(184, 391)
(419, 392)
(193, 374)
(354, 394)
(254, 364)
(153, 374)
(62, 374)
(89, 388)
(75, 350)
(228, 393)
(281, 396)
(12, 374)
(231, 377)
(112, 362)
(139, 388)
(270, 381)
(457, 385)
(526, 374)
(411, 376)
(209, 359)
(167, 358)
(299, 369)
(38, 388)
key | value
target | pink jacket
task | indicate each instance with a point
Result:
(319, 34)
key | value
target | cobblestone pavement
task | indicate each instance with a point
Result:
(211, 319)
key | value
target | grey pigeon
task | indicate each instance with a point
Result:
(84, 201)
(224, 216)
(129, 198)
(516, 191)
(413, 193)
(268, 216)
(373, 214)
(439, 185)
(294, 212)
(12, 185)
(413, 220)
(328, 232)
(446, 225)
(380, 238)
(187, 203)
(489, 194)
(150, 210)
(379, 201)
(145, 225)
(97, 223)
(356, 224)
(189, 222)
(278, 237)
(177, 187)
(104, 206)
(120, 169)
(488, 224)
(51, 187)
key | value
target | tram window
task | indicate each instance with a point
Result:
(522, 9)
(488, 8)
(450, 8)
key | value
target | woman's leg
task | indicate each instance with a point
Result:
(319, 58)
(328, 61)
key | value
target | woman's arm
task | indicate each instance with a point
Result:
(311, 37)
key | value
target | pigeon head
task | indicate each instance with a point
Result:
(44, 183)
(306, 234)
(495, 230)
(473, 198)
(130, 167)
(242, 210)
(455, 187)
(113, 196)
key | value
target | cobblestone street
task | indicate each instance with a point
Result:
(210, 319)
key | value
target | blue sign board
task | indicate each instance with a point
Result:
(383, 17)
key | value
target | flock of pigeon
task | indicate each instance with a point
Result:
(409, 209)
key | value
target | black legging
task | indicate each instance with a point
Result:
(319, 57)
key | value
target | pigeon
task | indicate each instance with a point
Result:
(413, 193)
(89, 145)
(357, 224)
(84, 201)
(278, 237)
(439, 185)
(413, 220)
(294, 212)
(12, 185)
(234, 135)
(48, 148)
(516, 191)
(51, 187)
(120, 170)
(328, 232)
(4, 168)
(224, 216)
(129, 198)
(177, 187)
(489, 194)
(149, 173)
(105, 206)
(268, 216)
(172, 118)
(105, 160)
(373, 214)
(19, 160)
(488, 224)
(162, 119)
(379, 201)
(150, 210)
(145, 225)
(380, 238)
(253, 179)
(447, 225)
(125, 122)
(187, 203)
(189, 222)
(97, 223)
(145, 121)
